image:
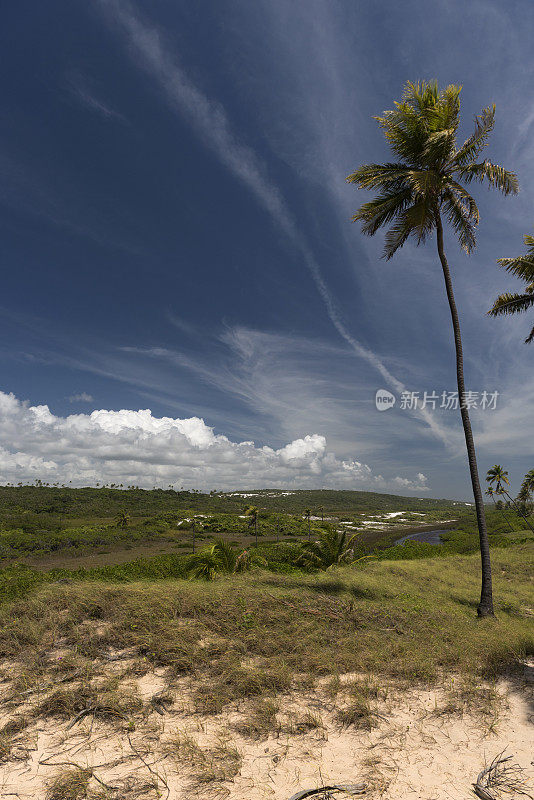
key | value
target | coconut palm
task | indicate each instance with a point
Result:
(415, 193)
(330, 548)
(524, 496)
(522, 267)
(217, 559)
(252, 513)
(122, 520)
(528, 482)
(499, 476)
(307, 516)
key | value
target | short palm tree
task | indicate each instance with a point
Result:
(122, 520)
(220, 558)
(413, 195)
(522, 267)
(330, 548)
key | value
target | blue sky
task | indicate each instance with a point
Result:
(176, 239)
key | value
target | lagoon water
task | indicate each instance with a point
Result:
(431, 537)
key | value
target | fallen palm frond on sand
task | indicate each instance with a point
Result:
(326, 792)
(499, 778)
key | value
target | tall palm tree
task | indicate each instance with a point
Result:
(413, 194)
(522, 267)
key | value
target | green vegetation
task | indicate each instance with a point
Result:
(252, 635)
(250, 631)
(518, 302)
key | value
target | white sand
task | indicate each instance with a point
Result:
(413, 754)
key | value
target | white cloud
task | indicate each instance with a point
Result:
(135, 447)
(81, 397)
(418, 485)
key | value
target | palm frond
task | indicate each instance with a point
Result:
(522, 267)
(459, 219)
(417, 220)
(423, 182)
(380, 211)
(495, 175)
(473, 146)
(403, 137)
(379, 176)
(439, 146)
(512, 303)
(467, 200)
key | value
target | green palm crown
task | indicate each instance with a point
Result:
(427, 180)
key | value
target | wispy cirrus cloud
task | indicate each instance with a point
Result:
(79, 87)
(210, 120)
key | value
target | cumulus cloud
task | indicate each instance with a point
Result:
(417, 485)
(135, 447)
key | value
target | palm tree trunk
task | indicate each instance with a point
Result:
(517, 510)
(485, 607)
(504, 515)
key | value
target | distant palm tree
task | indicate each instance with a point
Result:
(528, 482)
(414, 193)
(499, 476)
(307, 515)
(524, 496)
(522, 267)
(330, 548)
(122, 519)
(252, 513)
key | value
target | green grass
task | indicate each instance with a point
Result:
(253, 635)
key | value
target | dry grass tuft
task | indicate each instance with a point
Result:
(235, 682)
(260, 721)
(299, 724)
(206, 766)
(105, 702)
(70, 784)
